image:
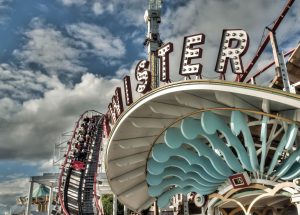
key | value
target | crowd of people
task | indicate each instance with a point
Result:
(83, 139)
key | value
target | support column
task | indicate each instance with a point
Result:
(115, 205)
(210, 211)
(28, 208)
(280, 65)
(296, 200)
(156, 211)
(185, 205)
(125, 210)
(50, 200)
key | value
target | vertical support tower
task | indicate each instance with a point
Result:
(153, 41)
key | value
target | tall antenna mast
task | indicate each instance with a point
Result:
(153, 41)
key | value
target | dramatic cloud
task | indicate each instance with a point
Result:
(22, 85)
(47, 47)
(8, 107)
(97, 40)
(36, 105)
(38, 122)
(56, 54)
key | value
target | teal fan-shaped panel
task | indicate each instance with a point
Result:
(201, 154)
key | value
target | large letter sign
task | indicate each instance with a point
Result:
(189, 52)
(163, 54)
(143, 74)
(127, 89)
(234, 44)
(106, 126)
(116, 106)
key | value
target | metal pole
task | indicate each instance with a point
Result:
(267, 39)
(50, 199)
(153, 41)
(280, 64)
(115, 205)
(295, 199)
(268, 66)
(125, 210)
(28, 208)
(185, 205)
(156, 210)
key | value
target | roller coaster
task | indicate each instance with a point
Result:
(153, 152)
(77, 180)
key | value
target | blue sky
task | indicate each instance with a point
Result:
(59, 58)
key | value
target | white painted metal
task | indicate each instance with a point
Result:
(115, 205)
(280, 65)
(125, 210)
(47, 179)
(50, 200)
(293, 67)
(153, 42)
(150, 122)
(129, 160)
(125, 155)
(129, 175)
(28, 208)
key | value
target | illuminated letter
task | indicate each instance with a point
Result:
(128, 92)
(106, 126)
(234, 45)
(116, 106)
(163, 54)
(143, 74)
(189, 52)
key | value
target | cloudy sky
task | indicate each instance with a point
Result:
(59, 58)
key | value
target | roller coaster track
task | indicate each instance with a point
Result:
(77, 185)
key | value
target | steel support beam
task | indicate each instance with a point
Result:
(28, 208)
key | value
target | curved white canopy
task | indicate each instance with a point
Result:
(144, 122)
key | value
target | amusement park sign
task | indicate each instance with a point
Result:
(233, 46)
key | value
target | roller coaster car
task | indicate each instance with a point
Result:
(78, 165)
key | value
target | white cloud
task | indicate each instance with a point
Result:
(15, 176)
(3, 205)
(49, 48)
(8, 107)
(73, 2)
(15, 186)
(22, 84)
(47, 166)
(56, 54)
(49, 106)
(98, 40)
(129, 12)
(38, 122)
(97, 8)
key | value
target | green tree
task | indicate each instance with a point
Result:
(107, 202)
